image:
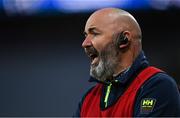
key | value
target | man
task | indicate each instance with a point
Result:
(126, 85)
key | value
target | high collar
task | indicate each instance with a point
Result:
(139, 63)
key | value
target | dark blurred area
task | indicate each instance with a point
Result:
(44, 71)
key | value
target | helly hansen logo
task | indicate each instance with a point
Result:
(147, 105)
(147, 102)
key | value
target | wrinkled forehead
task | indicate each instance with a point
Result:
(100, 20)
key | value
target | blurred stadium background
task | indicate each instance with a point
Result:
(43, 69)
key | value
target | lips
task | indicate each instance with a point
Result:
(93, 58)
(92, 54)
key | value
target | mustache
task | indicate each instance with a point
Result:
(91, 50)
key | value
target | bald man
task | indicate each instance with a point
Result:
(127, 86)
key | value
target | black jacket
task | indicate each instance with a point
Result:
(160, 87)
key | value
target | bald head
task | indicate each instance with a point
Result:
(118, 20)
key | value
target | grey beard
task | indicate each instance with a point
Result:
(104, 70)
(107, 64)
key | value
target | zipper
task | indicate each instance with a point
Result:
(107, 94)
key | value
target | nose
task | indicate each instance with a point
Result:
(87, 42)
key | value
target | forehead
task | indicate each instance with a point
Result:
(101, 21)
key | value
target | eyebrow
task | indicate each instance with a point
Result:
(91, 29)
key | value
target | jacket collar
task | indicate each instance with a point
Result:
(139, 63)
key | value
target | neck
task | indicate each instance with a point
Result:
(126, 60)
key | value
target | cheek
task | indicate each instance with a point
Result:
(100, 43)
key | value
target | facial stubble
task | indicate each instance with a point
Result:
(108, 62)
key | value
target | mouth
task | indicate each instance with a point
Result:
(92, 53)
(93, 58)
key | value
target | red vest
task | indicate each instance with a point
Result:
(124, 105)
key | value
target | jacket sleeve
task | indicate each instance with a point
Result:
(159, 96)
(78, 109)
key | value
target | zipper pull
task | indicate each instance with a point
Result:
(107, 94)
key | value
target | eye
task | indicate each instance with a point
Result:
(95, 33)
